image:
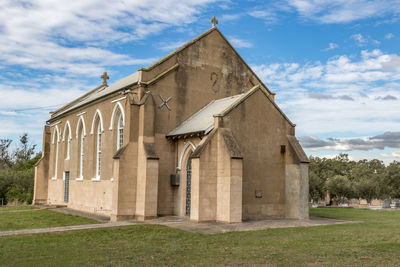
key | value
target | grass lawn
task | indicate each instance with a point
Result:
(16, 218)
(373, 242)
(16, 208)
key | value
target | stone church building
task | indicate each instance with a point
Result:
(195, 134)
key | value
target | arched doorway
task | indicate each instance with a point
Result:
(182, 193)
(188, 184)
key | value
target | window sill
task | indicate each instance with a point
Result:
(54, 178)
(97, 179)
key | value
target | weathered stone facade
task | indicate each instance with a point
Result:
(115, 145)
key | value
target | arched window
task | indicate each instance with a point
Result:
(81, 154)
(98, 152)
(80, 136)
(97, 129)
(120, 135)
(56, 140)
(67, 143)
(117, 123)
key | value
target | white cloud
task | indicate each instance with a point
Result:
(51, 49)
(359, 38)
(381, 141)
(17, 100)
(331, 46)
(267, 15)
(364, 40)
(389, 36)
(25, 104)
(332, 156)
(394, 154)
(8, 113)
(239, 43)
(230, 17)
(73, 36)
(341, 95)
(344, 11)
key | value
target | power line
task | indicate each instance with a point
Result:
(33, 108)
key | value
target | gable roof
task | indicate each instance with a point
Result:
(97, 93)
(202, 122)
(135, 78)
(132, 79)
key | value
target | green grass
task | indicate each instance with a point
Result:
(30, 219)
(17, 208)
(375, 241)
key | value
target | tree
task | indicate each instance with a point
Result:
(339, 186)
(24, 151)
(5, 184)
(17, 170)
(321, 169)
(316, 186)
(392, 179)
(367, 177)
(5, 158)
(367, 189)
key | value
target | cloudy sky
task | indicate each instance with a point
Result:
(335, 65)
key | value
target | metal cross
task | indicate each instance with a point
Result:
(105, 78)
(214, 21)
(164, 103)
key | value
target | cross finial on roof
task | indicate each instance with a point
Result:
(105, 78)
(214, 21)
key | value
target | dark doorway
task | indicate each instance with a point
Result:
(66, 187)
(188, 185)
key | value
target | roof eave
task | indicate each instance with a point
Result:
(187, 134)
(86, 104)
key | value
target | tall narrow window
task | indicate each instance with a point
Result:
(67, 144)
(68, 147)
(56, 161)
(81, 155)
(120, 140)
(98, 158)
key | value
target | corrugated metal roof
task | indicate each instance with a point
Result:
(99, 92)
(203, 120)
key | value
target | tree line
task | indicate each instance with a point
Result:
(17, 170)
(345, 178)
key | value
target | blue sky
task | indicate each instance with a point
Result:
(335, 65)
